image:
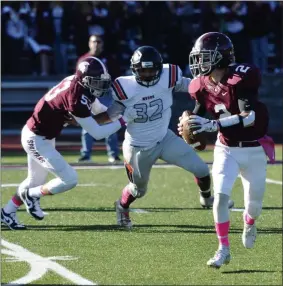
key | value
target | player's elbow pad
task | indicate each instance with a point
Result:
(249, 119)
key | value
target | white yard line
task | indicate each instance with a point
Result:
(39, 266)
(269, 181)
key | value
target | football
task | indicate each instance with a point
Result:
(197, 141)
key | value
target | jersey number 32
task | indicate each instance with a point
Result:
(142, 111)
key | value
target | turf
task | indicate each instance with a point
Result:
(169, 245)
(19, 157)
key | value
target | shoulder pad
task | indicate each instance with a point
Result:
(171, 75)
(246, 75)
(118, 90)
(195, 86)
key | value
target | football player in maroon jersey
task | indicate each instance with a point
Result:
(74, 96)
(229, 92)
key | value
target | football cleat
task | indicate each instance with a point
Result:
(249, 235)
(122, 214)
(114, 160)
(222, 256)
(32, 204)
(208, 202)
(11, 220)
(84, 159)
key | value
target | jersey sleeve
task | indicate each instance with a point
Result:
(195, 88)
(97, 107)
(182, 83)
(118, 92)
(247, 88)
(81, 107)
(175, 76)
(115, 110)
(250, 77)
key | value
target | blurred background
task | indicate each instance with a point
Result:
(43, 40)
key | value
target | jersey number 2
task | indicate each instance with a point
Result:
(142, 111)
(221, 108)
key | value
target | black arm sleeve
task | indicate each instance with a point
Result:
(199, 109)
(246, 100)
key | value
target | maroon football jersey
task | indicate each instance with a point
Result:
(220, 100)
(48, 118)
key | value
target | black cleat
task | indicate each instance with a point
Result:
(11, 221)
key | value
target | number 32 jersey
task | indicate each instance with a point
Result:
(221, 100)
(152, 105)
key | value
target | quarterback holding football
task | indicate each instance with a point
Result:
(229, 92)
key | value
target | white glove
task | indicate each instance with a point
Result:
(206, 124)
(130, 114)
(195, 119)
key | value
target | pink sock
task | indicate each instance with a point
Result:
(222, 230)
(13, 205)
(248, 219)
(17, 201)
(127, 198)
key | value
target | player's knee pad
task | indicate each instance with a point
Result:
(254, 208)
(203, 183)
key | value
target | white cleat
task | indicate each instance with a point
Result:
(32, 204)
(222, 256)
(249, 235)
(123, 217)
(208, 202)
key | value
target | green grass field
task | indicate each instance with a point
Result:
(171, 241)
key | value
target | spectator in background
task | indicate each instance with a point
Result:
(63, 24)
(19, 35)
(14, 30)
(234, 15)
(96, 49)
(45, 35)
(258, 24)
(277, 28)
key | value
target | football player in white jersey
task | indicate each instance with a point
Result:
(150, 92)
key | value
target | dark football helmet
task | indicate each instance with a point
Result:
(92, 74)
(210, 51)
(147, 65)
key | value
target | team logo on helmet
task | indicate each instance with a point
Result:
(83, 66)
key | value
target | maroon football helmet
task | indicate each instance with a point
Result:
(93, 76)
(211, 50)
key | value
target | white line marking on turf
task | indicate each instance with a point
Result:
(269, 181)
(39, 266)
(139, 211)
(79, 185)
(237, 210)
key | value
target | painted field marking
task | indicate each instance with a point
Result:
(269, 181)
(39, 265)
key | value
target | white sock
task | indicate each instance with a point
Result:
(35, 192)
(11, 207)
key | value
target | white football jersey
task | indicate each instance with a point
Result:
(153, 104)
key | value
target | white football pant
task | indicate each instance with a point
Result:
(172, 149)
(42, 159)
(250, 163)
